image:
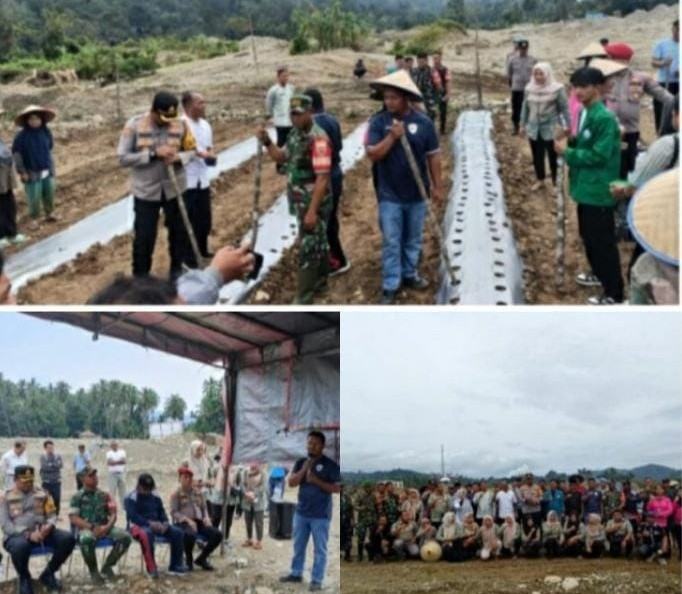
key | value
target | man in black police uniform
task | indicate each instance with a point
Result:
(317, 477)
(28, 519)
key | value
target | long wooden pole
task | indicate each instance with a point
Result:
(435, 226)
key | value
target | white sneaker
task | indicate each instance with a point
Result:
(19, 238)
(587, 279)
(601, 300)
(4, 243)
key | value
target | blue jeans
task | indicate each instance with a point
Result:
(303, 528)
(402, 227)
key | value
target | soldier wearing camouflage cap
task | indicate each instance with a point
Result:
(28, 519)
(93, 515)
(308, 158)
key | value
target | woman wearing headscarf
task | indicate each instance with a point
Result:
(573, 535)
(413, 504)
(468, 543)
(32, 152)
(461, 505)
(545, 106)
(253, 504)
(594, 537)
(491, 546)
(510, 535)
(552, 535)
(199, 462)
(448, 533)
(531, 538)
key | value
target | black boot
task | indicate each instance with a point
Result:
(25, 585)
(48, 579)
(361, 552)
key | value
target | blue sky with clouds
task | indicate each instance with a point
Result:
(51, 352)
(512, 391)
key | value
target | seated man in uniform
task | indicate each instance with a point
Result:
(190, 514)
(147, 519)
(93, 515)
(28, 518)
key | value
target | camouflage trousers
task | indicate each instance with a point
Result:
(314, 246)
(88, 543)
(363, 529)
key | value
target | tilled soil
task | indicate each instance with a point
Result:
(361, 238)
(606, 576)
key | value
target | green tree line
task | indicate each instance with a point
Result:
(108, 408)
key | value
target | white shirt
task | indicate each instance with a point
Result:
(10, 461)
(505, 503)
(278, 103)
(116, 457)
(196, 169)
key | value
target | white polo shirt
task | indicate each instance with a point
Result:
(196, 169)
(117, 456)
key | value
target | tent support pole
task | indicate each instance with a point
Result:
(231, 377)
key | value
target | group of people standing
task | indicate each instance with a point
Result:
(521, 517)
(595, 129)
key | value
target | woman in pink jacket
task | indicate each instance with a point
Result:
(661, 506)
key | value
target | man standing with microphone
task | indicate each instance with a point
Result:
(317, 477)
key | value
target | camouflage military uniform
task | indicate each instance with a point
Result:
(95, 507)
(23, 513)
(423, 78)
(308, 154)
(367, 518)
(347, 521)
(391, 508)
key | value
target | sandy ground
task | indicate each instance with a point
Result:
(239, 571)
(606, 576)
(89, 176)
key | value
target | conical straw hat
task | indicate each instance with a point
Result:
(654, 217)
(594, 50)
(400, 80)
(608, 67)
(48, 114)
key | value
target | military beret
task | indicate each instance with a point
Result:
(25, 474)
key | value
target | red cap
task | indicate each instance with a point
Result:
(184, 471)
(620, 51)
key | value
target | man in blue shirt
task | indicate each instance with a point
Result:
(317, 477)
(666, 58)
(593, 500)
(401, 207)
(338, 263)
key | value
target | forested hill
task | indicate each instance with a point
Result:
(115, 21)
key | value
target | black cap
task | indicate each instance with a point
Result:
(146, 481)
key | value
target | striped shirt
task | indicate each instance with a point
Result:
(656, 160)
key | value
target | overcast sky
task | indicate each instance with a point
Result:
(52, 352)
(510, 392)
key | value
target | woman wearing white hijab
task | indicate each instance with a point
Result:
(510, 535)
(448, 533)
(468, 544)
(552, 535)
(491, 546)
(595, 537)
(413, 504)
(545, 106)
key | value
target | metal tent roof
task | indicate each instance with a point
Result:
(210, 338)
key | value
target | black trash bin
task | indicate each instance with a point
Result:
(281, 519)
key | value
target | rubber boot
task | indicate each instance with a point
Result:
(307, 285)
(322, 287)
